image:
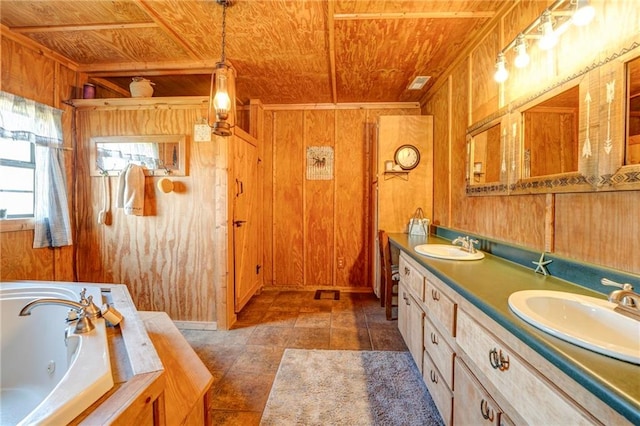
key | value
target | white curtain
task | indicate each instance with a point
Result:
(29, 121)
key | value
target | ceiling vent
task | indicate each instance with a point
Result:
(419, 82)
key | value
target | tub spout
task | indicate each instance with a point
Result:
(84, 324)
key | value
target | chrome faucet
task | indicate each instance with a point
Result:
(466, 243)
(86, 309)
(627, 300)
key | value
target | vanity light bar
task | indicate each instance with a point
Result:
(579, 14)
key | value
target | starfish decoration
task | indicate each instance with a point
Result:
(541, 263)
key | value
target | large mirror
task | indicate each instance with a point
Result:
(159, 154)
(487, 157)
(633, 112)
(550, 135)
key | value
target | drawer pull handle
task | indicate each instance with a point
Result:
(407, 271)
(434, 339)
(497, 360)
(406, 298)
(435, 295)
(434, 377)
(487, 413)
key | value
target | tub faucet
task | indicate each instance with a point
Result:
(466, 243)
(84, 324)
(627, 300)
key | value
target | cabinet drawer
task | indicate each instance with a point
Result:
(412, 276)
(439, 351)
(473, 405)
(442, 396)
(441, 308)
(528, 392)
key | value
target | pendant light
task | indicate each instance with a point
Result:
(222, 93)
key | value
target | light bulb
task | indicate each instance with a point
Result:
(522, 57)
(501, 74)
(549, 38)
(221, 101)
(584, 13)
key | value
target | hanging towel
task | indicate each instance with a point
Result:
(131, 190)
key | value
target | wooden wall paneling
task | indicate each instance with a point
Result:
(319, 131)
(600, 228)
(353, 197)
(484, 97)
(20, 261)
(521, 80)
(165, 257)
(268, 219)
(439, 106)
(288, 205)
(27, 73)
(459, 108)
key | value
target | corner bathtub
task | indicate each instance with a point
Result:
(45, 377)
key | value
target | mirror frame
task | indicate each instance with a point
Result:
(602, 171)
(576, 181)
(159, 139)
(615, 175)
(494, 188)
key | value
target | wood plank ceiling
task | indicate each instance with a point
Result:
(284, 51)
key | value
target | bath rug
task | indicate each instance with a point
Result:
(325, 387)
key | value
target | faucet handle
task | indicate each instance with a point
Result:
(610, 283)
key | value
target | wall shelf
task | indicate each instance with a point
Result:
(404, 174)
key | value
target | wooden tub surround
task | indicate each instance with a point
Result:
(158, 377)
(461, 315)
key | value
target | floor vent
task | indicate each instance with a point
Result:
(327, 294)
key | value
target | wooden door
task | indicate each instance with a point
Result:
(400, 195)
(247, 265)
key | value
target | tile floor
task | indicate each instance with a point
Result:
(244, 360)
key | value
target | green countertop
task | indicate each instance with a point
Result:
(487, 284)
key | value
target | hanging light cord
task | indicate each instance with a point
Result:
(224, 29)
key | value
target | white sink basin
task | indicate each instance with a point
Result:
(447, 251)
(582, 320)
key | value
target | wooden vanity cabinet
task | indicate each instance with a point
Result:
(476, 371)
(531, 394)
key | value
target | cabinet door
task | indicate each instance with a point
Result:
(472, 404)
(410, 323)
(245, 221)
(440, 392)
(416, 318)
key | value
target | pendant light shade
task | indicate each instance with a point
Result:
(221, 114)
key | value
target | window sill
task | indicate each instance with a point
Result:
(14, 225)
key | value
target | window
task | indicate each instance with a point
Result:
(32, 172)
(17, 178)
